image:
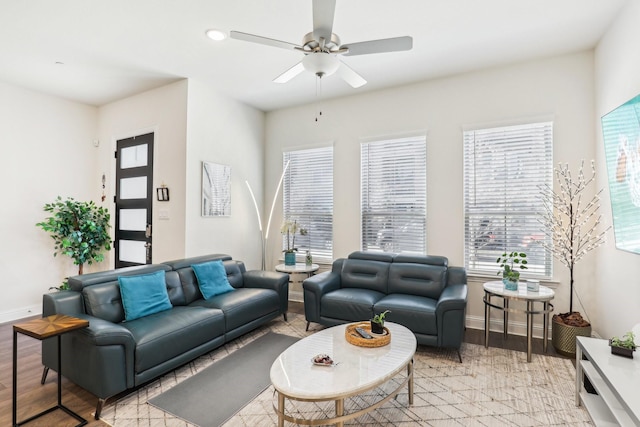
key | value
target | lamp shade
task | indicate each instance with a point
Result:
(320, 63)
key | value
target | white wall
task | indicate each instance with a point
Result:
(164, 112)
(617, 73)
(47, 152)
(561, 87)
(224, 131)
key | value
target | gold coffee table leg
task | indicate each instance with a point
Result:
(280, 409)
(339, 411)
(410, 377)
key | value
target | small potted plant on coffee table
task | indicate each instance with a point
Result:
(377, 322)
(624, 346)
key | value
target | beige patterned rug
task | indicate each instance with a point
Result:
(492, 387)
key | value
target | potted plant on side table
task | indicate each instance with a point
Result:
(290, 228)
(509, 262)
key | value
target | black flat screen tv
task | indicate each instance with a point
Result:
(621, 133)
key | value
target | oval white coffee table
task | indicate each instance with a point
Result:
(357, 369)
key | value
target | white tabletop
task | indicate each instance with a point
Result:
(357, 369)
(298, 268)
(497, 288)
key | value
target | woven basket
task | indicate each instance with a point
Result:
(354, 338)
(563, 337)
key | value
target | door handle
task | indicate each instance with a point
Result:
(148, 251)
(147, 231)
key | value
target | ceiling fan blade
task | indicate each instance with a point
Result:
(350, 76)
(290, 73)
(261, 40)
(323, 12)
(395, 44)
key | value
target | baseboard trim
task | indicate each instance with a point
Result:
(515, 327)
(20, 313)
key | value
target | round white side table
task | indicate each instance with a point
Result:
(544, 295)
(297, 274)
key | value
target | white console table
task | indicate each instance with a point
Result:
(616, 380)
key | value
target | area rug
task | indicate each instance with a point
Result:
(492, 387)
(213, 395)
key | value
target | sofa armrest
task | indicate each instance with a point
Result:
(279, 282)
(99, 358)
(453, 297)
(314, 288)
(62, 302)
(104, 332)
(450, 315)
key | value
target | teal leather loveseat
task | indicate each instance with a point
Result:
(422, 292)
(113, 354)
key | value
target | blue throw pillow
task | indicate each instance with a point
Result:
(144, 294)
(212, 278)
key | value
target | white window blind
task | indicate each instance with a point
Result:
(503, 170)
(307, 192)
(394, 195)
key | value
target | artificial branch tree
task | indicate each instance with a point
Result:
(571, 223)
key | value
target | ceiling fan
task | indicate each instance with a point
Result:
(321, 47)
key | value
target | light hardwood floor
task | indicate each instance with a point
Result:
(34, 397)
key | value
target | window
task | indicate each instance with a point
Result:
(307, 195)
(394, 195)
(503, 170)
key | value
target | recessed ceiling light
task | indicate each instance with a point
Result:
(216, 35)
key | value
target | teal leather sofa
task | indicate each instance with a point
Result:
(422, 292)
(113, 355)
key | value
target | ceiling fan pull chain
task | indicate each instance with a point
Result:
(318, 96)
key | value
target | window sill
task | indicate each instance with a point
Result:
(481, 278)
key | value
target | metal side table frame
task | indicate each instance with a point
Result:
(544, 295)
(40, 329)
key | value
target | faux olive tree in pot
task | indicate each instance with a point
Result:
(80, 230)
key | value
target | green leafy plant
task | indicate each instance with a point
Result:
(290, 228)
(509, 262)
(80, 230)
(625, 342)
(379, 318)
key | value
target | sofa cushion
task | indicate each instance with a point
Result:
(417, 279)
(349, 304)
(167, 334)
(212, 278)
(243, 305)
(174, 288)
(103, 301)
(189, 282)
(415, 312)
(365, 274)
(144, 294)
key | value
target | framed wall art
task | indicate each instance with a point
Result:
(621, 134)
(216, 189)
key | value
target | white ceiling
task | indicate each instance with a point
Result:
(111, 49)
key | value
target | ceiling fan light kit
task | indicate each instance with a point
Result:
(321, 64)
(321, 47)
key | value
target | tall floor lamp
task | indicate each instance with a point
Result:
(264, 236)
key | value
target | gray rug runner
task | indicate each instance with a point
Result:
(214, 395)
